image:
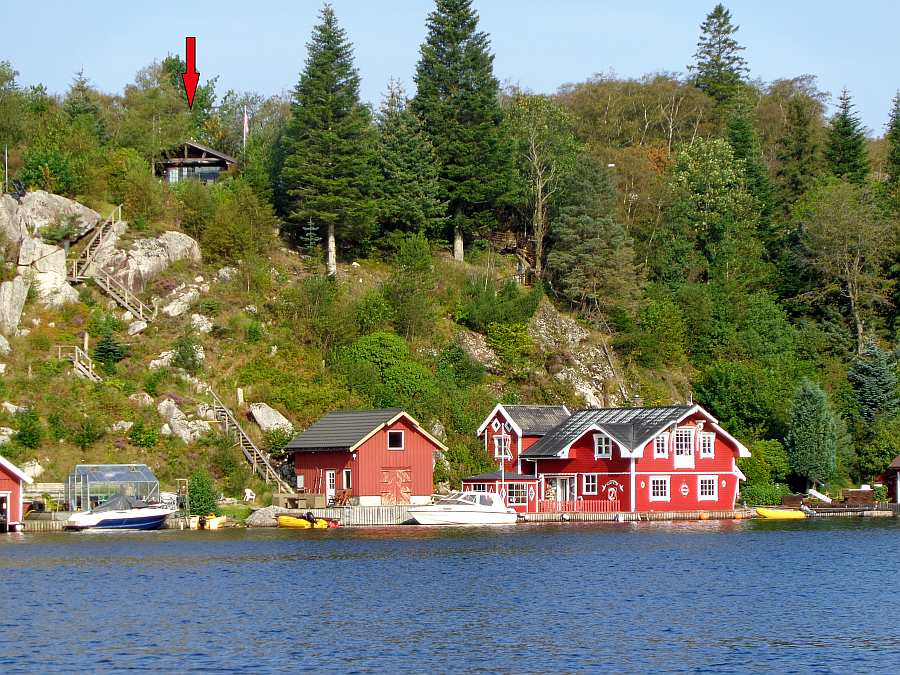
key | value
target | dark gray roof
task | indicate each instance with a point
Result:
(629, 427)
(341, 430)
(537, 420)
(495, 475)
(212, 151)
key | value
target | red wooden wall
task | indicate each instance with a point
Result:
(12, 484)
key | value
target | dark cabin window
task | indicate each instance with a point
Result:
(395, 440)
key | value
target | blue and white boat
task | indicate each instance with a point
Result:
(120, 513)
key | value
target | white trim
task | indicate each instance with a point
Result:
(487, 420)
(708, 498)
(742, 449)
(632, 496)
(345, 475)
(584, 477)
(16, 471)
(684, 460)
(704, 436)
(396, 417)
(608, 441)
(508, 453)
(495, 425)
(664, 437)
(668, 496)
(402, 439)
(333, 490)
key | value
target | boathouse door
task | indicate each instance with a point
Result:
(4, 511)
(563, 489)
(330, 484)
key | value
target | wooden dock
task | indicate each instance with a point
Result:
(583, 517)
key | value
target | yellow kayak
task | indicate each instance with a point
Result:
(780, 514)
(303, 523)
(212, 522)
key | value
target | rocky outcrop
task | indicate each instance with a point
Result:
(147, 258)
(141, 398)
(6, 435)
(584, 360)
(5, 349)
(188, 430)
(201, 324)
(10, 227)
(226, 273)
(164, 360)
(476, 347)
(136, 327)
(183, 298)
(265, 517)
(40, 210)
(53, 290)
(268, 418)
(12, 301)
(36, 256)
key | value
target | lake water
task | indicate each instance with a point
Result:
(712, 596)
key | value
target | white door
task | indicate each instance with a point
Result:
(329, 484)
(684, 448)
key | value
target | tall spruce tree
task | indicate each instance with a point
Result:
(328, 172)
(592, 263)
(719, 69)
(811, 441)
(874, 379)
(409, 195)
(744, 142)
(457, 99)
(893, 141)
(846, 153)
(798, 152)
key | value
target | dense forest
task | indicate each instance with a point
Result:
(720, 228)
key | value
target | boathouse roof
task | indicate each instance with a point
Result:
(629, 427)
(348, 429)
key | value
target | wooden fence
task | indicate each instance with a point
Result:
(578, 506)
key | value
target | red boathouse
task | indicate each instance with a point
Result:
(668, 458)
(11, 480)
(373, 457)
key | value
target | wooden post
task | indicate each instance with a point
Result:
(86, 338)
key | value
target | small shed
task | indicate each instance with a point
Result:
(92, 484)
(891, 478)
(193, 161)
(11, 481)
(374, 457)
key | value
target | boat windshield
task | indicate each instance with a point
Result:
(458, 498)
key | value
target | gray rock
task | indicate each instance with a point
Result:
(201, 324)
(265, 517)
(12, 301)
(3, 365)
(476, 346)
(122, 425)
(169, 410)
(136, 327)
(164, 360)
(226, 273)
(165, 430)
(5, 349)
(438, 431)
(6, 435)
(181, 303)
(37, 256)
(268, 418)
(206, 412)
(40, 210)
(12, 408)
(147, 258)
(10, 227)
(189, 431)
(141, 398)
(32, 467)
(53, 290)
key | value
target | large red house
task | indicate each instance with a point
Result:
(667, 458)
(11, 481)
(376, 457)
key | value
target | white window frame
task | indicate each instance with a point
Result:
(347, 479)
(521, 496)
(477, 487)
(684, 457)
(667, 481)
(402, 439)
(708, 498)
(664, 454)
(584, 483)
(499, 452)
(607, 446)
(301, 481)
(711, 438)
(331, 481)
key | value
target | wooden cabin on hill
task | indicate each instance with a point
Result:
(193, 161)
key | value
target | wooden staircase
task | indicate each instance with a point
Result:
(82, 364)
(259, 460)
(84, 267)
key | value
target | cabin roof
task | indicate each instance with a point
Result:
(176, 152)
(629, 427)
(347, 429)
(895, 465)
(14, 470)
(529, 420)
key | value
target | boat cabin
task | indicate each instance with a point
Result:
(12, 479)
(193, 161)
(366, 457)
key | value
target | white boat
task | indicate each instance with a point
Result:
(120, 513)
(465, 508)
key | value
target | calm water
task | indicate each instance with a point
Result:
(732, 597)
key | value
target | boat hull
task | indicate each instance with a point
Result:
(152, 519)
(780, 514)
(212, 522)
(303, 523)
(437, 515)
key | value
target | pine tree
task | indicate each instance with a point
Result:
(798, 152)
(409, 199)
(893, 141)
(82, 106)
(718, 65)
(457, 99)
(744, 142)
(874, 379)
(811, 441)
(592, 263)
(846, 152)
(329, 173)
(311, 238)
(202, 494)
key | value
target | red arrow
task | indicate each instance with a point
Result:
(191, 77)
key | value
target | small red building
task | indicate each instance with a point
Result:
(508, 431)
(11, 480)
(891, 478)
(667, 458)
(376, 457)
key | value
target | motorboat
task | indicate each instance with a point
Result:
(210, 522)
(306, 522)
(465, 508)
(120, 512)
(780, 514)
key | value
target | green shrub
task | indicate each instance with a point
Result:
(154, 379)
(511, 343)
(143, 435)
(31, 431)
(61, 232)
(101, 322)
(483, 304)
(373, 313)
(109, 351)
(88, 432)
(881, 493)
(275, 439)
(49, 169)
(254, 332)
(456, 365)
(202, 494)
(764, 494)
(186, 354)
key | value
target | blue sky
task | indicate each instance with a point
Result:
(539, 44)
